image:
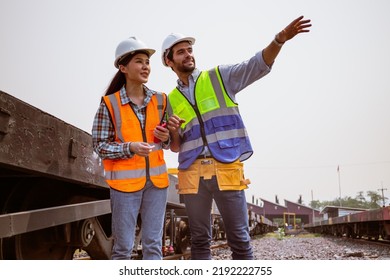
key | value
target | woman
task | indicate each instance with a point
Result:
(129, 137)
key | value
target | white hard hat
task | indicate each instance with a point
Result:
(129, 46)
(171, 40)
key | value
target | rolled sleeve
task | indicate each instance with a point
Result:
(236, 77)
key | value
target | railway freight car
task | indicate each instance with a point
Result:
(53, 197)
(258, 224)
(371, 224)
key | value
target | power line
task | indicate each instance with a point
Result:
(249, 165)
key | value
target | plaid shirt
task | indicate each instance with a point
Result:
(103, 131)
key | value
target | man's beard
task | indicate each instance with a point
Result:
(186, 69)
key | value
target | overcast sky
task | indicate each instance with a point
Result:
(326, 102)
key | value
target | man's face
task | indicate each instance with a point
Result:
(183, 59)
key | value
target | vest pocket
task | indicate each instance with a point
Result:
(223, 123)
(228, 143)
(226, 133)
(208, 103)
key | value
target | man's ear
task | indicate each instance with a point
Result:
(168, 61)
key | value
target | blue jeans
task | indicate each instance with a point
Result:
(151, 203)
(233, 208)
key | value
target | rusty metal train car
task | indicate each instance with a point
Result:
(370, 224)
(53, 197)
(258, 224)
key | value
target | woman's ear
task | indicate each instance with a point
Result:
(122, 68)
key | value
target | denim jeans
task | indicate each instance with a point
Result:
(233, 208)
(151, 203)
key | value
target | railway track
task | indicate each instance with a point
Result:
(187, 254)
(381, 242)
(82, 255)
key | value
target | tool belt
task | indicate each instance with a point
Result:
(230, 176)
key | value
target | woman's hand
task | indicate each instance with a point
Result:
(161, 133)
(141, 149)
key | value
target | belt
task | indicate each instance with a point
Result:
(208, 160)
(204, 157)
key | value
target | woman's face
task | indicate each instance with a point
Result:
(138, 69)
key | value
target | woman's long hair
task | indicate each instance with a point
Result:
(120, 79)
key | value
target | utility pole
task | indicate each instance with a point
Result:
(338, 171)
(312, 206)
(383, 196)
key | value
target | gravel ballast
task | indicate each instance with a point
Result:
(310, 247)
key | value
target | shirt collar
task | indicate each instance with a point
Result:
(194, 76)
(125, 98)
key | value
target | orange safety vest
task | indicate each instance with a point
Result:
(130, 174)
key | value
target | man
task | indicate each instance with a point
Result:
(209, 134)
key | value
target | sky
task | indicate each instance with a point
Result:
(324, 105)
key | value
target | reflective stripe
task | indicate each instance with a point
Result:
(135, 174)
(125, 174)
(221, 113)
(117, 116)
(190, 145)
(169, 109)
(211, 138)
(225, 135)
(217, 88)
(160, 105)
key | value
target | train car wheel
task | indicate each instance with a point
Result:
(384, 235)
(52, 243)
(182, 240)
(37, 245)
(40, 244)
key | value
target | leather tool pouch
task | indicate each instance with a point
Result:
(188, 180)
(231, 176)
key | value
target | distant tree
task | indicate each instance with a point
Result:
(316, 204)
(361, 197)
(352, 202)
(374, 199)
